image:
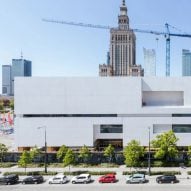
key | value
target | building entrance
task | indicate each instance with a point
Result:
(100, 144)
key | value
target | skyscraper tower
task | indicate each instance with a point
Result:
(122, 48)
(6, 79)
(186, 63)
(149, 62)
(122, 45)
(20, 67)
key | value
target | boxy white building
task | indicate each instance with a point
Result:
(97, 111)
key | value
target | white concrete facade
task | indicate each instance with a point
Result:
(72, 109)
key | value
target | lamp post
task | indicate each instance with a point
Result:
(149, 155)
(45, 149)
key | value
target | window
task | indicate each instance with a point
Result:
(185, 128)
(111, 128)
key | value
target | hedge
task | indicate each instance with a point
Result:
(30, 173)
(153, 172)
(7, 165)
(96, 173)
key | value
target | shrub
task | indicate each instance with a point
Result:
(32, 173)
(153, 172)
(95, 173)
(7, 165)
(157, 164)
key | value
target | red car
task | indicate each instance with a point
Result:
(108, 178)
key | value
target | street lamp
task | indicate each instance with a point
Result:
(149, 155)
(45, 149)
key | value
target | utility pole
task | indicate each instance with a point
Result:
(45, 149)
(149, 155)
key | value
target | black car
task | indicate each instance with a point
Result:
(33, 180)
(9, 179)
(166, 179)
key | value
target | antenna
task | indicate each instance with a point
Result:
(21, 54)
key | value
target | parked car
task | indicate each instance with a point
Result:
(82, 178)
(9, 179)
(136, 178)
(58, 179)
(166, 179)
(33, 180)
(108, 178)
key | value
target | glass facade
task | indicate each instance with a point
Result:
(184, 128)
(6, 79)
(186, 63)
(20, 67)
(149, 62)
(111, 128)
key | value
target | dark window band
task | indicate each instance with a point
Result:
(68, 115)
(182, 115)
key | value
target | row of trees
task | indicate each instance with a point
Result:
(165, 146)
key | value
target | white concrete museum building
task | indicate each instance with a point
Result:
(94, 111)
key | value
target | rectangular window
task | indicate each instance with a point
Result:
(111, 128)
(162, 98)
(185, 128)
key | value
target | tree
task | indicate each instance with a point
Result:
(1, 105)
(189, 151)
(3, 151)
(84, 153)
(35, 152)
(109, 152)
(61, 152)
(11, 104)
(166, 146)
(69, 158)
(132, 153)
(25, 159)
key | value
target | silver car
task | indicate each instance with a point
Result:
(136, 178)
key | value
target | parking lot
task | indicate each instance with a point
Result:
(184, 185)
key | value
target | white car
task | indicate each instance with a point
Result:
(58, 179)
(82, 178)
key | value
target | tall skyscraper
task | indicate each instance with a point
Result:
(122, 52)
(6, 79)
(149, 62)
(186, 63)
(20, 67)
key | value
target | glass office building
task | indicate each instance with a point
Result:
(186, 63)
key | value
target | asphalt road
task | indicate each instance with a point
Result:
(92, 187)
(183, 185)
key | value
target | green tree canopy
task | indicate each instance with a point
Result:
(166, 145)
(35, 152)
(3, 151)
(25, 159)
(69, 158)
(109, 152)
(62, 152)
(84, 153)
(11, 104)
(1, 105)
(132, 153)
(189, 151)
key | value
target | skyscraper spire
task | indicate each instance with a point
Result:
(21, 54)
(123, 3)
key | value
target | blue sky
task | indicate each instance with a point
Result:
(61, 50)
